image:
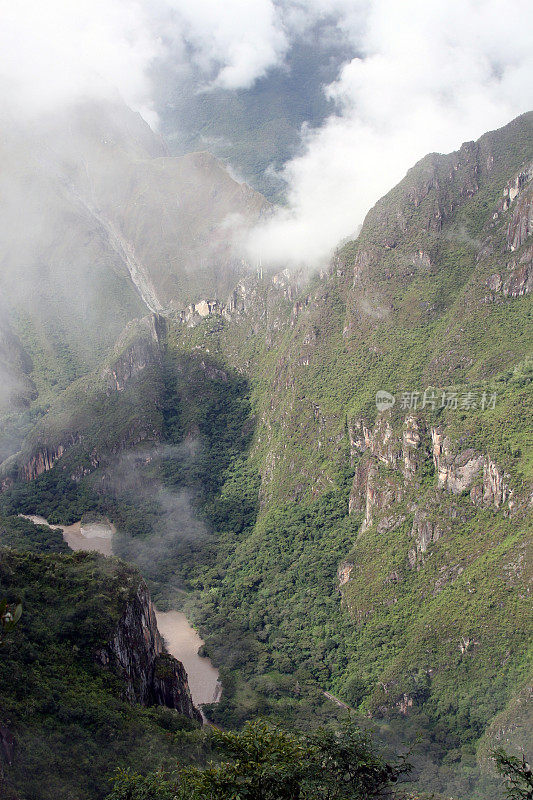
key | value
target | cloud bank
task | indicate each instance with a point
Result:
(56, 52)
(232, 43)
(59, 51)
(428, 76)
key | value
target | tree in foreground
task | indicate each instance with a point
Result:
(263, 762)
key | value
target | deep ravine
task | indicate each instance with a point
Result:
(181, 639)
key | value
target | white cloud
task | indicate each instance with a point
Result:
(57, 51)
(235, 41)
(431, 75)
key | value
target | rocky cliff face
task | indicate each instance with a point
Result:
(135, 653)
(435, 512)
(515, 211)
(100, 664)
(255, 297)
(139, 347)
(470, 471)
(412, 450)
(44, 459)
(520, 225)
(402, 239)
(138, 350)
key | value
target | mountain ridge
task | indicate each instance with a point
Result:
(380, 555)
(99, 223)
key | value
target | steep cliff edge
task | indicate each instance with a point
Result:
(135, 653)
(84, 683)
(110, 410)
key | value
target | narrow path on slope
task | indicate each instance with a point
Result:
(337, 701)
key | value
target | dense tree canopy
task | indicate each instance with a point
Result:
(263, 762)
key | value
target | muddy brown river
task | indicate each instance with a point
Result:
(181, 639)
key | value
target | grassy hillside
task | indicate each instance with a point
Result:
(322, 544)
(410, 305)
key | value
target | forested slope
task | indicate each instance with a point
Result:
(430, 539)
(321, 542)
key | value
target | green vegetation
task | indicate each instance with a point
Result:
(230, 462)
(266, 763)
(407, 323)
(21, 534)
(53, 496)
(518, 774)
(63, 336)
(288, 561)
(66, 713)
(9, 616)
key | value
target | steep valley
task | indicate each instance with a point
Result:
(319, 541)
(99, 226)
(180, 638)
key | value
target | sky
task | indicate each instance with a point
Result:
(428, 76)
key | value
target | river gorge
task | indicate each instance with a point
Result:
(181, 639)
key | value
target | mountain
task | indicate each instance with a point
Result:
(326, 542)
(425, 547)
(257, 129)
(86, 674)
(99, 225)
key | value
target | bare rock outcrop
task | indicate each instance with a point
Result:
(42, 461)
(139, 347)
(455, 472)
(391, 460)
(518, 194)
(424, 531)
(516, 279)
(521, 225)
(470, 471)
(135, 653)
